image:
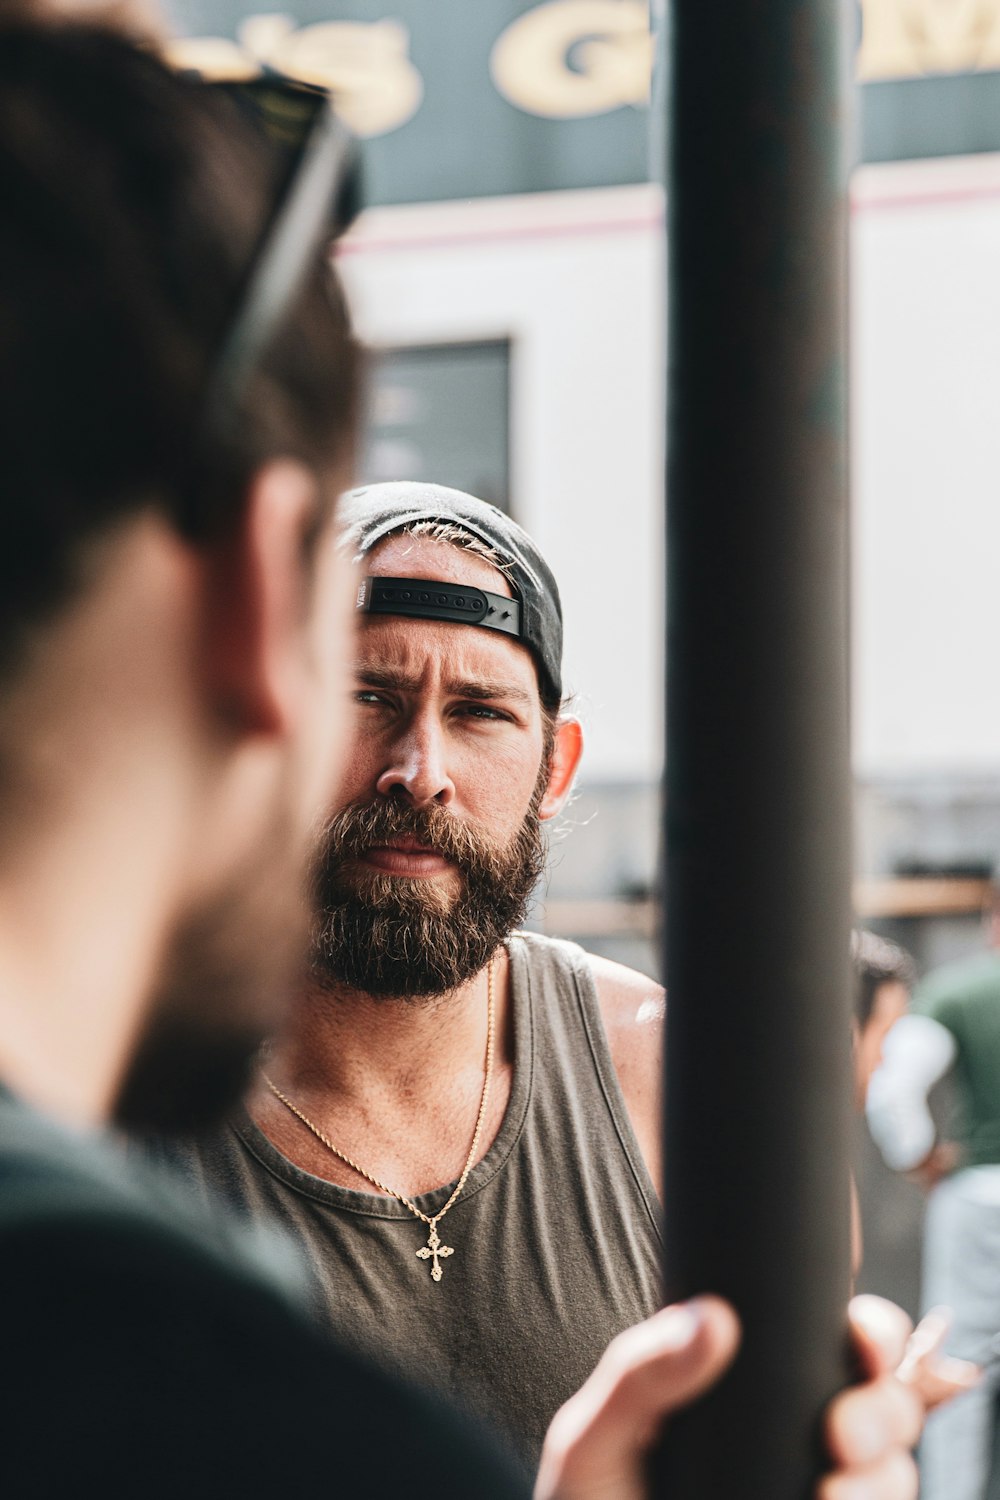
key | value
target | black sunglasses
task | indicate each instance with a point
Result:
(318, 197)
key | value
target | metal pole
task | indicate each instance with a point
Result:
(757, 805)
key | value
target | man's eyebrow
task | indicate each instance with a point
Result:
(481, 690)
(385, 677)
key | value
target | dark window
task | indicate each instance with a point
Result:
(441, 412)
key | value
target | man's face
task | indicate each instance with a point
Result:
(229, 964)
(434, 844)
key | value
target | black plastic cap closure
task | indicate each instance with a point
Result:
(371, 514)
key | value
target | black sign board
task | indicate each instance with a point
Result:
(477, 98)
(447, 95)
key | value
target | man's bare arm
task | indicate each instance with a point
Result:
(633, 1009)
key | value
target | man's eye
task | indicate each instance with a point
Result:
(368, 695)
(482, 711)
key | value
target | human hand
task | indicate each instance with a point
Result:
(872, 1426)
(940, 1163)
(933, 1376)
(597, 1445)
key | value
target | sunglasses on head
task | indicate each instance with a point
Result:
(317, 198)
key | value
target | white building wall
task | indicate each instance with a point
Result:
(575, 280)
(926, 437)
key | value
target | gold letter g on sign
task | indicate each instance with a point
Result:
(570, 58)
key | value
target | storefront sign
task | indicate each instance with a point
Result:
(916, 38)
(468, 98)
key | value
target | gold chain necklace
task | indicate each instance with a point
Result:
(433, 1251)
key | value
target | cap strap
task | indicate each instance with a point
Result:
(429, 599)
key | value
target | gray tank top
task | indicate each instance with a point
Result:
(556, 1235)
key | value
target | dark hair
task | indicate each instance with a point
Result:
(132, 203)
(876, 961)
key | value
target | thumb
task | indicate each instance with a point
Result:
(597, 1445)
(880, 1330)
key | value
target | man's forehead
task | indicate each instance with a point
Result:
(457, 655)
(405, 556)
(417, 652)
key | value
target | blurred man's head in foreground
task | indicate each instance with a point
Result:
(884, 974)
(172, 629)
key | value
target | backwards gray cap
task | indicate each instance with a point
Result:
(370, 514)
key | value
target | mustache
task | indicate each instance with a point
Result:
(387, 937)
(360, 827)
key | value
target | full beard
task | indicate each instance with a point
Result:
(393, 937)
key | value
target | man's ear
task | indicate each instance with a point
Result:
(256, 603)
(566, 752)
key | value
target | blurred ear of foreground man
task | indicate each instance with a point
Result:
(173, 619)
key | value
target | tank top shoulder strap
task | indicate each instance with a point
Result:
(574, 1074)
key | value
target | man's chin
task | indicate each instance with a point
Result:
(436, 893)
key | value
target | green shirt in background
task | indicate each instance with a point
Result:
(965, 999)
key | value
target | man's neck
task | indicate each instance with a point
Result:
(103, 817)
(395, 1084)
(74, 977)
(342, 1041)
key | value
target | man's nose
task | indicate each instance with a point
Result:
(417, 766)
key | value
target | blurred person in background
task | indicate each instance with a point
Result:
(172, 637)
(884, 975)
(953, 1032)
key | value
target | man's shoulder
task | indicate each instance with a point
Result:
(124, 1218)
(630, 1001)
(49, 1172)
(127, 1316)
(192, 1372)
(632, 1008)
(625, 993)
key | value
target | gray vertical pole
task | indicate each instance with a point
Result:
(757, 803)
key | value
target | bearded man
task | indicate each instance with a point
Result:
(461, 1123)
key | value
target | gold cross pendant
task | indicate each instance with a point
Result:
(434, 1251)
